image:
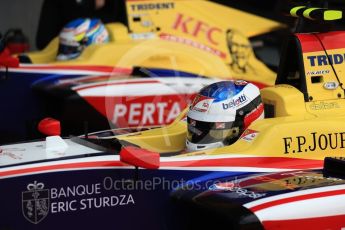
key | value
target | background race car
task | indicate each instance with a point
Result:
(193, 45)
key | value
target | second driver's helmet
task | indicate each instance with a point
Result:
(221, 112)
(78, 34)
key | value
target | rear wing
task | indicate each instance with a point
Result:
(314, 62)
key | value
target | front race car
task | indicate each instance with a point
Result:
(311, 199)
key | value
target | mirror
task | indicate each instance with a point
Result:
(49, 127)
(140, 157)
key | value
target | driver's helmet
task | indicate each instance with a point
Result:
(221, 112)
(78, 34)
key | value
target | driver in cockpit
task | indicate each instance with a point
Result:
(78, 34)
(221, 112)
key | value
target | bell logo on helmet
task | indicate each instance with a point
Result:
(235, 102)
(240, 82)
(201, 103)
(205, 105)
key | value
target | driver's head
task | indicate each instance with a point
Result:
(221, 112)
(78, 34)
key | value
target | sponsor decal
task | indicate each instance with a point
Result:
(324, 105)
(192, 122)
(249, 135)
(38, 201)
(233, 186)
(320, 60)
(240, 82)
(186, 41)
(195, 154)
(141, 36)
(196, 28)
(240, 51)
(280, 183)
(145, 114)
(220, 125)
(153, 6)
(331, 85)
(143, 111)
(201, 103)
(12, 153)
(293, 181)
(322, 141)
(318, 72)
(194, 130)
(312, 177)
(35, 202)
(235, 102)
(308, 180)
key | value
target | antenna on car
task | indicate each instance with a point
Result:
(86, 129)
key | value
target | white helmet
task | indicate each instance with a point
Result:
(221, 112)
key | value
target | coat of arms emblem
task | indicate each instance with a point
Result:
(35, 202)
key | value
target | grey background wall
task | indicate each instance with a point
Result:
(22, 14)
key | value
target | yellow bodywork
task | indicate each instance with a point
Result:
(316, 90)
(195, 36)
(297, 130)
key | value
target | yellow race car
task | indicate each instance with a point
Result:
(199, 37)
(144, 76)
(93, 175)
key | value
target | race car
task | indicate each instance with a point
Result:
(122, 178)
(300, 199)
(168, 49)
